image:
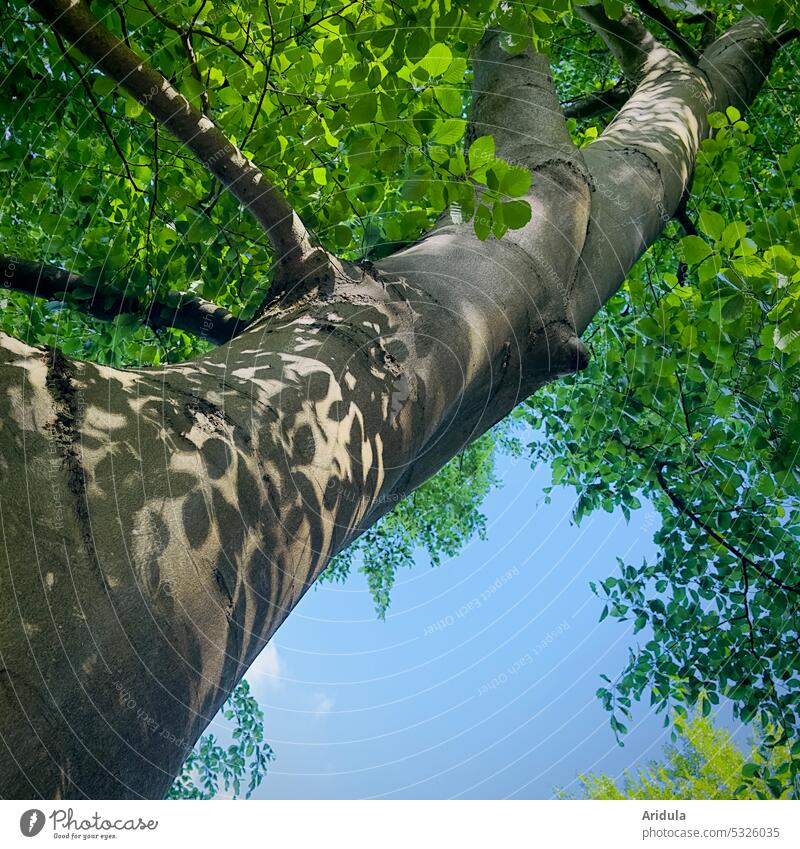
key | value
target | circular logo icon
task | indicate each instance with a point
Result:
(31, 822)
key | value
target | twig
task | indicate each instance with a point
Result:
(745, 593)
(203, 33)
(98, 111)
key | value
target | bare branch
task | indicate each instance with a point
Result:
(737, 63)
(643, 161)
(183, 311)
(745, 594)
(192, 57)
(709, 32)
(787, 36)
(298, 260)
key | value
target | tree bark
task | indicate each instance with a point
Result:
(158, 525)
(174, 309)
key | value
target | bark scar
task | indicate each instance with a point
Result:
(65, 428)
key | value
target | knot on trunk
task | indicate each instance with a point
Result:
(568, 355)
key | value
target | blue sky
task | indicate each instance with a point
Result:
(481, 681)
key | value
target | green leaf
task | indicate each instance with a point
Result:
(437, 60)
(711, 223)
(733, 234)
(732, 308)
(482, 222)
(516, 182)
(133, 109)
(332, 51)
(481, 152)
(103, 85)
(449, 131)
(364, 108)
(417, 44)
(516, 213)
(694, 249)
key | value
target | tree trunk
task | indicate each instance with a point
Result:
(158, 525)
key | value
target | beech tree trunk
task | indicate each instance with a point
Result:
(158, 525)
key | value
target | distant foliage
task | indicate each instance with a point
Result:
(439, 518)
(236, 769)
(703, 763)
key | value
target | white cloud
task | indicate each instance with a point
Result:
(267, 670)
(322, 703)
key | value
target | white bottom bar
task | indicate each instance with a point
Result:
(403, 824)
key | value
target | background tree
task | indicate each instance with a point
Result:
(702, 763)
(171, 517)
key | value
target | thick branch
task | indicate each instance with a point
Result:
(296, 257)
(597, 103)
(658, 15)
(630, 42)
(185, 312)
(643, 162)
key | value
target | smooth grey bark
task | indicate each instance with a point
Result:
(158, 525)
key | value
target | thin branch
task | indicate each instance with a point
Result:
(123, 24)
(154, 195)
(203, 33)
(745, 593)
(267, 75)
(787, 36)
(684, 508)
(212, 199)
(186, 38)
(311, 24)
(296, 257)
(682, 217)
(709, 32)
(180, 310)
(101, 117)
(660, 17)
